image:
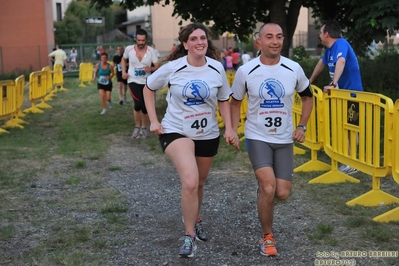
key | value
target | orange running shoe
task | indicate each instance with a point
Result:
(267, 245)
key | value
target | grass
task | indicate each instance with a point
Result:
(67, 143)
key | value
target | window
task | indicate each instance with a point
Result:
(59, 11)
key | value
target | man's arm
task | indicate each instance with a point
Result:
(339, 69)
(235, 107)
(307, 105)
(155, 67)
(123, 64)
(317, 70)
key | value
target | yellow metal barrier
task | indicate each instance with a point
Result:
(393, 215)
(49, 81)
(37, 91)
(58, 78)
(85, 73)
(7, 100)
(20, 92)
(230, 77)
(14, 99)
(359, 122)
(314, 132)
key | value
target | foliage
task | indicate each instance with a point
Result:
(299, 53)
(73, 29)
(381, 74)
(231, 16)
(364, 20)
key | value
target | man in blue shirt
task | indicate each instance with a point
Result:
(340, 59)
(342, 65)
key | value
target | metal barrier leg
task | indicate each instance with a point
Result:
(313, 164)
(12, 124)
(298, 150)
(390, 216)
(81, 84)
(374, 197)
(33, 109)
(44, 105)
(3, 131)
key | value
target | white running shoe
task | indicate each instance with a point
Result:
(344, 168)
(103, 111)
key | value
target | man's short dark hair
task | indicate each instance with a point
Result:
(333, 28)
(141, 32)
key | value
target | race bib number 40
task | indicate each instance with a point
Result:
(274, 121)
(197, 124)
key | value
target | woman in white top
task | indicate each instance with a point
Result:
(189, 132)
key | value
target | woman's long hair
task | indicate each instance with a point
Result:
(184, 33)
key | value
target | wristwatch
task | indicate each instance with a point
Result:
(332, 84)
(303, 127)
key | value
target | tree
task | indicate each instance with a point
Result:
(362, 20)
(362, 24)
(73, 29)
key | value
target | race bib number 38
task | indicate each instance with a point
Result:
(197, 124)
(273, 121)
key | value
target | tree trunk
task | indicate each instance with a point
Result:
(287, 19)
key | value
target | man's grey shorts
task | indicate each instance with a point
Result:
(280, 157)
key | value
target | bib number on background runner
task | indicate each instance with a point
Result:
(197, 124)
(119, 67)
(139, 72)
(273, 121)
(102, 80)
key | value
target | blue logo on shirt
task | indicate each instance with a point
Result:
(271, 91)
(196, 91)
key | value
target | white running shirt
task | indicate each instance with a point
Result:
(136, 68)
(192, 97)
(270, 96)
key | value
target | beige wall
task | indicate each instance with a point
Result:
(165, 28)
(302, 27)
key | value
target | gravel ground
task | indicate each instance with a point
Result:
(151, 187)
(229, 217)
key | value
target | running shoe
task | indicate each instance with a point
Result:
(144, 133)
(200, 233)
(344, 168)
(188, 248)
(103, 112)
(121, 102)
(267, 245)
(351, 171)
(136, 132)
(109, 104)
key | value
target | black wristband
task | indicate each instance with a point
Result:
(333, 84)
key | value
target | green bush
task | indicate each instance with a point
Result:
(299, 53)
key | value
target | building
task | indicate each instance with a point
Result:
(163, 29)
(59, 8)
(26, 36)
